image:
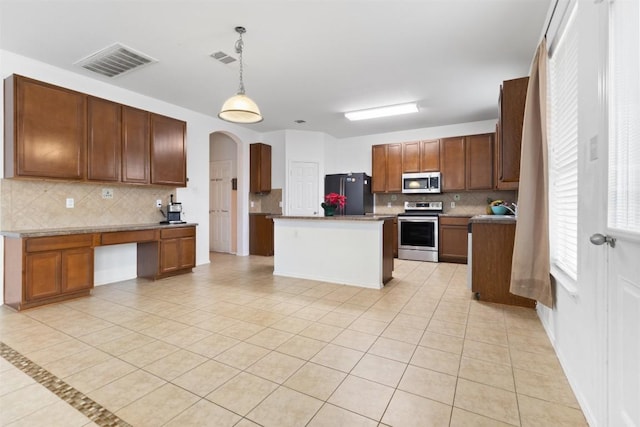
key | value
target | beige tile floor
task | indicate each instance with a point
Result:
(231, 345)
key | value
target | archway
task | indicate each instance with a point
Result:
(224, 209)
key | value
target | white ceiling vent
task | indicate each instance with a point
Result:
(223, 57)
(115, 60)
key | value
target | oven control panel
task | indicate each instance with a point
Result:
(423, 206)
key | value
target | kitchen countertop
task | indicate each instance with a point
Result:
(338, 217)
(495, 219)
(88, 229)
(459, 215)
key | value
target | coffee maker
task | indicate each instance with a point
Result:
(174, 213)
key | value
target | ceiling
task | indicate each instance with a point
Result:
(306, 60)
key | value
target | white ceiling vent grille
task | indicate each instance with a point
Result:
(223, 57)
(115, 60)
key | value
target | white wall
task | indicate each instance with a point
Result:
(196, 195)
(277, 141)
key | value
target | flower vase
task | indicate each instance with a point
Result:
(329, 210)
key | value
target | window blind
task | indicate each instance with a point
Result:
(563, 150)
(624, 116)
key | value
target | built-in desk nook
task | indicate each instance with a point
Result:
(44, 266)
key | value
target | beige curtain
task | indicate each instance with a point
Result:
(530, 269)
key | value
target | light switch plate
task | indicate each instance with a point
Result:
(70, 202)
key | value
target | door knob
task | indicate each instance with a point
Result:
(599, 239)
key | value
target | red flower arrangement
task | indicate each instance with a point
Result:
(334, 199)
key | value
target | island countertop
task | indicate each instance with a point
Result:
(495, 219)
(338, 217)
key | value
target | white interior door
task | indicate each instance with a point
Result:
(624, 215)
(220, 206)
(624, 320)
(302, 195)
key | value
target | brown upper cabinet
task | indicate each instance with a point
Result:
(467, 163)
(453, 164)
(135, 146)
(168, 151)
(104, 146)
(421, 156)
(479, 161)
(45, 130)
(513, 94)
(53, 132)
(386, 166)
(260, 168)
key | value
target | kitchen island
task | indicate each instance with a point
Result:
(492, 240)
(349, 250)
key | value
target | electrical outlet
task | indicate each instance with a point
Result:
(70, 202)
(453, 205)
(253, 205)
(158, 203)
(107, 193)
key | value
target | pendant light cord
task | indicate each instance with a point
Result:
(239, 49)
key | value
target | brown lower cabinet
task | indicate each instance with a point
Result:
(260, 234)
(174, 253)
(42, 270)
(388, 228)
(453, 238)
(47, 269)
(492, 252)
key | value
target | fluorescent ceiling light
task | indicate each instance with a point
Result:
(391, 110)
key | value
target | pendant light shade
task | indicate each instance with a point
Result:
(240, 108)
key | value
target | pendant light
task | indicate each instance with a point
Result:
(240, 108)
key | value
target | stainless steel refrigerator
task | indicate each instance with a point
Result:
(356, 187)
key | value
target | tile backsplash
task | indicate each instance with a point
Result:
(267, 202)
(35, 205)
(469, 203)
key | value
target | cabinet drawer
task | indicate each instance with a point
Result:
(118, 237)
(172, 233)
(454, 220)
(52, 243)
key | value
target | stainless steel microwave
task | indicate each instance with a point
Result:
(421, 182)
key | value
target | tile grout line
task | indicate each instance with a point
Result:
(76, 399)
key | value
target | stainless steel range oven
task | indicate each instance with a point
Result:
(418, 231)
